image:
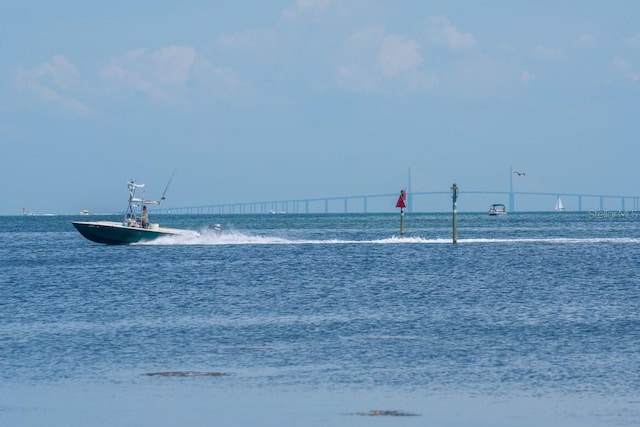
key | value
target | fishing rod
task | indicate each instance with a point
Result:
(167, 187)
(157, 202)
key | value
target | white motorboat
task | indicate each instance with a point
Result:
(134, 227)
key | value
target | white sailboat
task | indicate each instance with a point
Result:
(559, 207)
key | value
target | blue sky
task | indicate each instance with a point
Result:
(252, 101)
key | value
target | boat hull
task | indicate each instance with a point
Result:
(114, 233)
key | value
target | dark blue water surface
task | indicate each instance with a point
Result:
(531, 319)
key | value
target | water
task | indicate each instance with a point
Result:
(531, 319)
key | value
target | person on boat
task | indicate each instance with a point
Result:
(131, 221)
(145, 217)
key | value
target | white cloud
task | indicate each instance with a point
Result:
(52, 82)
(586, 40)
(221, 81)
(397, 55)
(356, 78)
(441, 32)
(626, 69)
(374, 61)
(544, 53)
(157, 74)
(304, 8)
(526, 77)
(357, 68)
(173, 64)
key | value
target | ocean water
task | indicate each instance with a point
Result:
(531, 319)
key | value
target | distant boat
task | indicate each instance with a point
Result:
(84, 212)
(497, 209)
(559, 206)
(274, 211)
(25, 212)
(134, 227)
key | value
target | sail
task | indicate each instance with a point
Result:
(559, 206)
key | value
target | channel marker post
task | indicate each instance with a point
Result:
(400, 204)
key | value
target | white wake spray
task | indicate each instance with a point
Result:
(208, 237)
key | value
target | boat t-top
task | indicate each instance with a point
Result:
(135, 227)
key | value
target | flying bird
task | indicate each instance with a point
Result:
(519, 173)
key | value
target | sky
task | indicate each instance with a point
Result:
(253, 101)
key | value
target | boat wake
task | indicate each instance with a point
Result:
(240, 238)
